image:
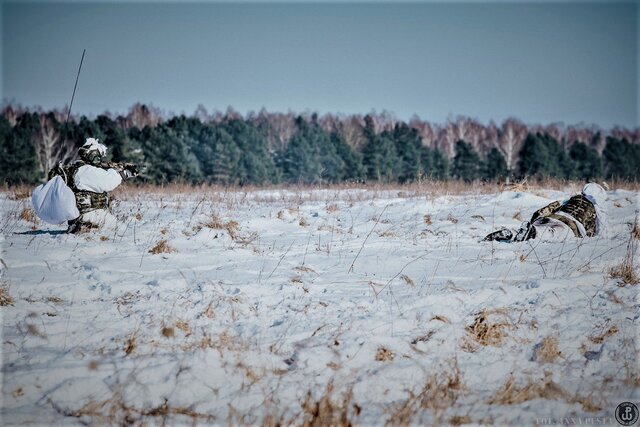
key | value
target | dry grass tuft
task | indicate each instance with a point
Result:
(34, 331)
(427, 219)
(451, 218)
(384, 355)
(329, 410)
(440, 392)
(115, 411)
(223, 342)
(303, 222)
(209, 312)
(214, 222)
(487, 332)
(632, 376)
(598, 339)
(625, 271)
(518, 216)
(20, 194)
(458, 420)
(587, 403)
(518, 186)
(511, 394)
(5, 298)
(304, 269)
(162, 247)
(130, 345)
(408, 280)
(635, 231)
(547, 351)
(423, 338)
(28, 215)
(443, 319)
(183, 326)
(333, 207)
(232, 228)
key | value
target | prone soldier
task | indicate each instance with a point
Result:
(582, 215)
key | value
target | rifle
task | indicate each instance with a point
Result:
(130, 170)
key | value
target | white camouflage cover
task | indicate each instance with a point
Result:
(54, 202)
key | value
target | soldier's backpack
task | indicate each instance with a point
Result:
(54, 202)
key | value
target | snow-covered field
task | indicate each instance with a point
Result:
(322, 306)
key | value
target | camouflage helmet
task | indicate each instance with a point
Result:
(92, 151)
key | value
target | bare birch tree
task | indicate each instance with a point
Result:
(428, 134)
(511, 135)
(278, 128)
(51, 148)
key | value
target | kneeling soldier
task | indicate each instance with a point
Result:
(91, 179)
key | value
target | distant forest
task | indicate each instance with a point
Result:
(262, 148)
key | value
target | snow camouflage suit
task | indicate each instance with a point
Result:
(579, 207)
(87, 201)
(582, 215)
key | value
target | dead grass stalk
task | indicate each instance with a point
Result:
(5, 298)
(490, 327)
(439, 392)
(625, 271)
(162, 247)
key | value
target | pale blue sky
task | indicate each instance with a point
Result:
(542, 62)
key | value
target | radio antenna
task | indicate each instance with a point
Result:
(75, 86)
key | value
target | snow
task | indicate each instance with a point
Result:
(266, 295)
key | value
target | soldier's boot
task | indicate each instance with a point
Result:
(75, 225)
(78, 225)
(502, 235)
(525, 232)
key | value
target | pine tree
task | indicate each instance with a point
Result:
(440, 169)
(622, 159)
(256, 165)
(311, 157)
(379, 155)
(18, 159)
(542, 157)
(226, 159)
(120, 147)
(466, 163)
(168, 157)
(585, 162)
(495, 166)
(353, 169)
(409, 148)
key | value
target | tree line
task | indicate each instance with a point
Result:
(263, 148)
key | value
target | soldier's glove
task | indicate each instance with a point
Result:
(130, 171)
(525, 232)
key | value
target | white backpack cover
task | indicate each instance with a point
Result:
(54, 202)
